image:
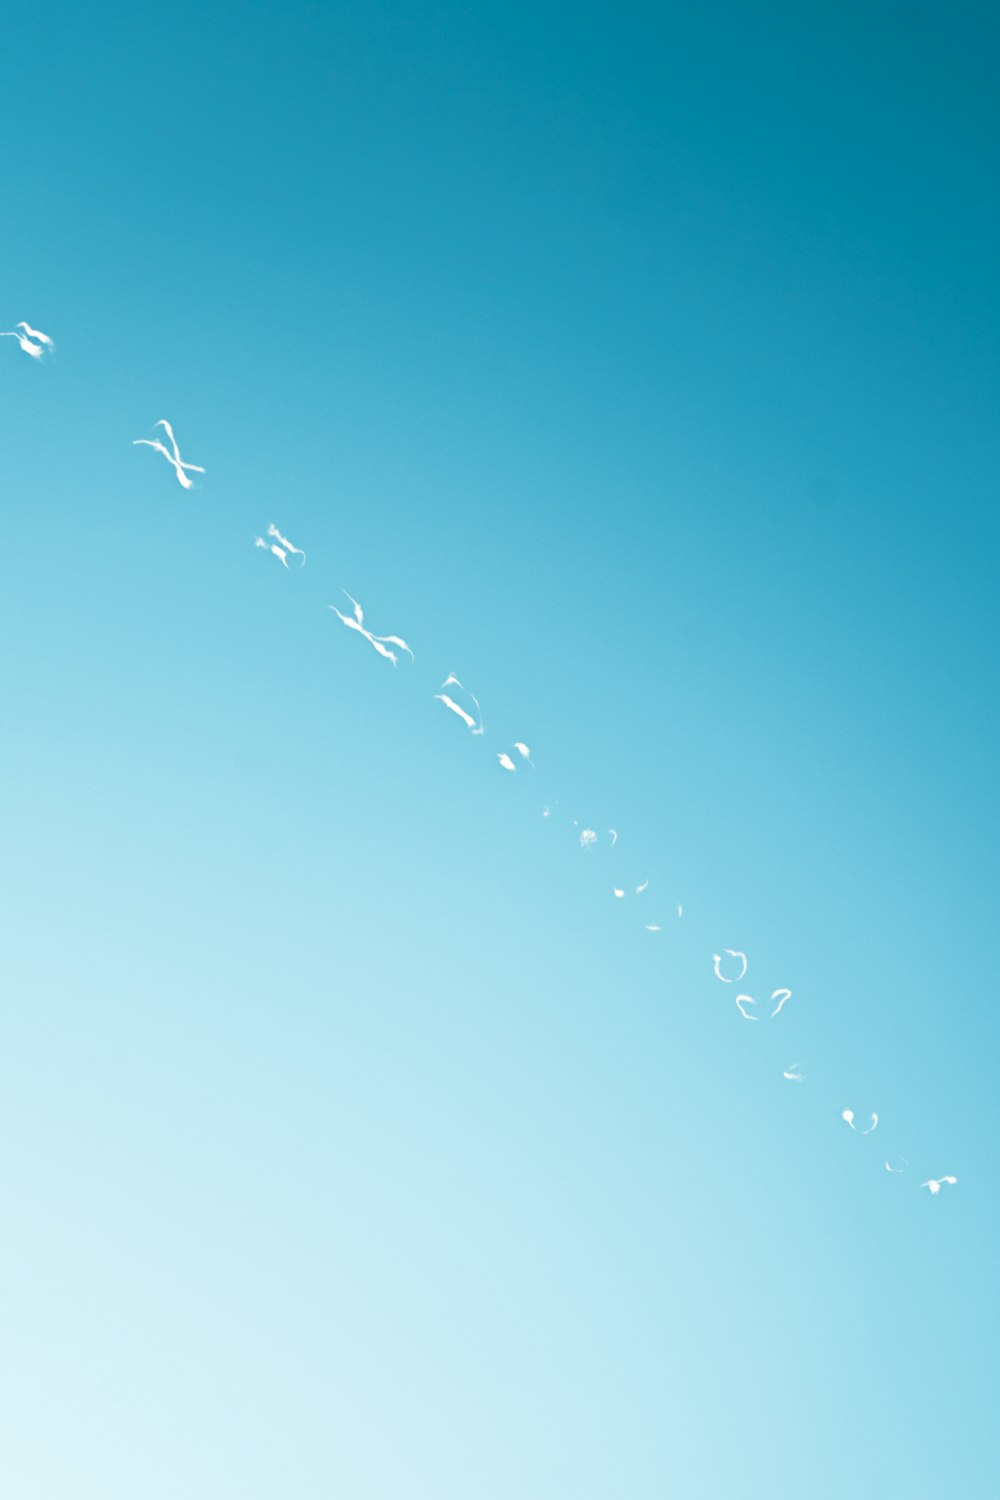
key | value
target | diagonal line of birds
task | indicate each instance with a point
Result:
(729, 967)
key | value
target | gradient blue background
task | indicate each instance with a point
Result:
(639, 365)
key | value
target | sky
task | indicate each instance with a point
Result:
(638, 365)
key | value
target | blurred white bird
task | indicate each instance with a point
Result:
(587, 838)
(613, 836)
(280, 551)
(467, 719)
(35, 350)
(785, 995)
(172, 458)
(381, 643)
(935, 1184)
(742, 1000)
(791, 1074)
(36, 333)
(848, 1115)
(506, 761)
(733, 953)
(896, 1169)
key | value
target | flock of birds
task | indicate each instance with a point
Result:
(730, 966)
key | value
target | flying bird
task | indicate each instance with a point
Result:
(640, 888)
(733, 953)
(848, 1116)
(897, 1169)
(172, 458)
(509, 765)
(792, 1073)
(785, 995)
(935, 1183)
(36, 350)
(619, 892)
(36, 333)
(655, 927)
(467, 719)
(588, 838)
(613, 836)
(381, 643)
(281, 546)
(742, 1000)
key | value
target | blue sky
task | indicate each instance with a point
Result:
(638, 366)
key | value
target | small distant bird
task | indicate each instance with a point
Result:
(281, 546)
(733, 953)
(381, 643)
(522, 751)
(742, 1000)
(587, 838)
(172, 458)
(613, 836)
(896, 1169)
(467, 719)
(37, 349)
(640, 888)
(792, 1074)
(785, 995)
(848, 1115)
(934, 1184)
(619, 892)
(655, 927)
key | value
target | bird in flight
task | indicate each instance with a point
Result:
(381, 643)
(281, 546)
(467, 719)
(522, 751)
(848, 1116)
(733, 953)
(36, 349)
(934, 1183)
(172, 458)
(792, 1073)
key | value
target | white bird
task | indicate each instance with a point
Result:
(36, 333)
(654, 927)
(381, 643)
(587, 838)
(640, 888)
(506, 761)
(742, 1000)
(467, 719)
(281, 552)
(680, 911)
(619, 892)
(272, 530)
(522, 750)
(934, 1184)
(896, 1169)
(733, 953)
(35, 350)
(848, 1115)
(785, 995)
(792, 1074)
(613, 836)
(172, 458)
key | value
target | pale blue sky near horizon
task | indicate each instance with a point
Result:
(640, 367)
